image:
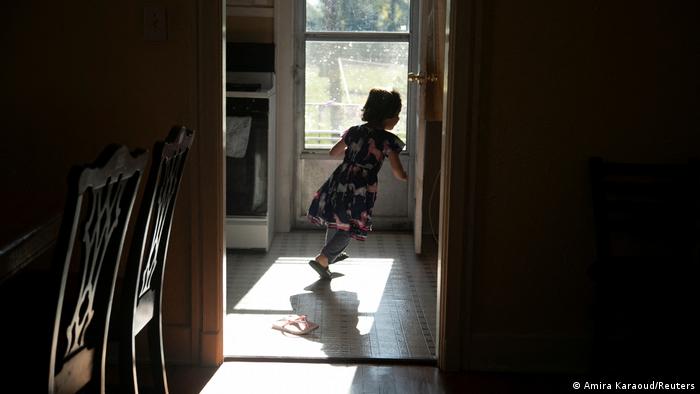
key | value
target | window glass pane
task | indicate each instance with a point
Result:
(357, 15)
(339, 76)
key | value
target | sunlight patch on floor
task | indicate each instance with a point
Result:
(365, 276)
(287, 276)
(280, 378)
(249, 327)
(364, 324)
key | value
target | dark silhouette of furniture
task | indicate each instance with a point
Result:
(56, 317)
(645, 272)
(141, 294)
(95, 220)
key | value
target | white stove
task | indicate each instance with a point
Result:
(250, 175)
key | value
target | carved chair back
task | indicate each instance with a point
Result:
(98, 207)
(143, 280)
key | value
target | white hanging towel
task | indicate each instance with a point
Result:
(237, 135)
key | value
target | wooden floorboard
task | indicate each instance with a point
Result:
(274, 377)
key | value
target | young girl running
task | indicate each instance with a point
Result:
(344, 202)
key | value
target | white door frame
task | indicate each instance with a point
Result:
(418, 162)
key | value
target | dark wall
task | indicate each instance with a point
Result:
(563, 81)
(77, 76)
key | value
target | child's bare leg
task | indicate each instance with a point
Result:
(323, 260)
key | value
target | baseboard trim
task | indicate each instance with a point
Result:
(337, 360)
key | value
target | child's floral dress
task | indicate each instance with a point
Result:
(346, 199)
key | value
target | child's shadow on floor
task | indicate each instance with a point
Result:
(336, 313)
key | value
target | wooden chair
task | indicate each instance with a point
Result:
(141, 296)
(86, 258)
(646, 223)
(98, 208)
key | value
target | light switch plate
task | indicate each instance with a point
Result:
(155, 23)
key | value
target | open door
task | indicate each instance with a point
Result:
(425, 77)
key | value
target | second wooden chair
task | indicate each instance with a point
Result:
(142, 288)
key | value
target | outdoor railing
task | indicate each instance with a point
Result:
(321, 139)
(322, 117)
(326, 115)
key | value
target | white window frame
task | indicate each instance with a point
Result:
(411, 37)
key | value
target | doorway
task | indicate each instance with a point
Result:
(463, 43)
(384, 304)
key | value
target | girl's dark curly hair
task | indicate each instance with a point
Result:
(381, 104)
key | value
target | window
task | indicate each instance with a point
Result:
(351, 46)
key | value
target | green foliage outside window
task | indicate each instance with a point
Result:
(357, 15)
(339, 74)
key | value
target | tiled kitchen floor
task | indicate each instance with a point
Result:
(381, 302)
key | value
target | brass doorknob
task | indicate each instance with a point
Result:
(421, 78)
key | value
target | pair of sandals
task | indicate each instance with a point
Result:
(324, 272)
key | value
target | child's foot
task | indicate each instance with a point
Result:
(322, 271)
(342, 256)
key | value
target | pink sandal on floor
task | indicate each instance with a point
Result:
(295, 324)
